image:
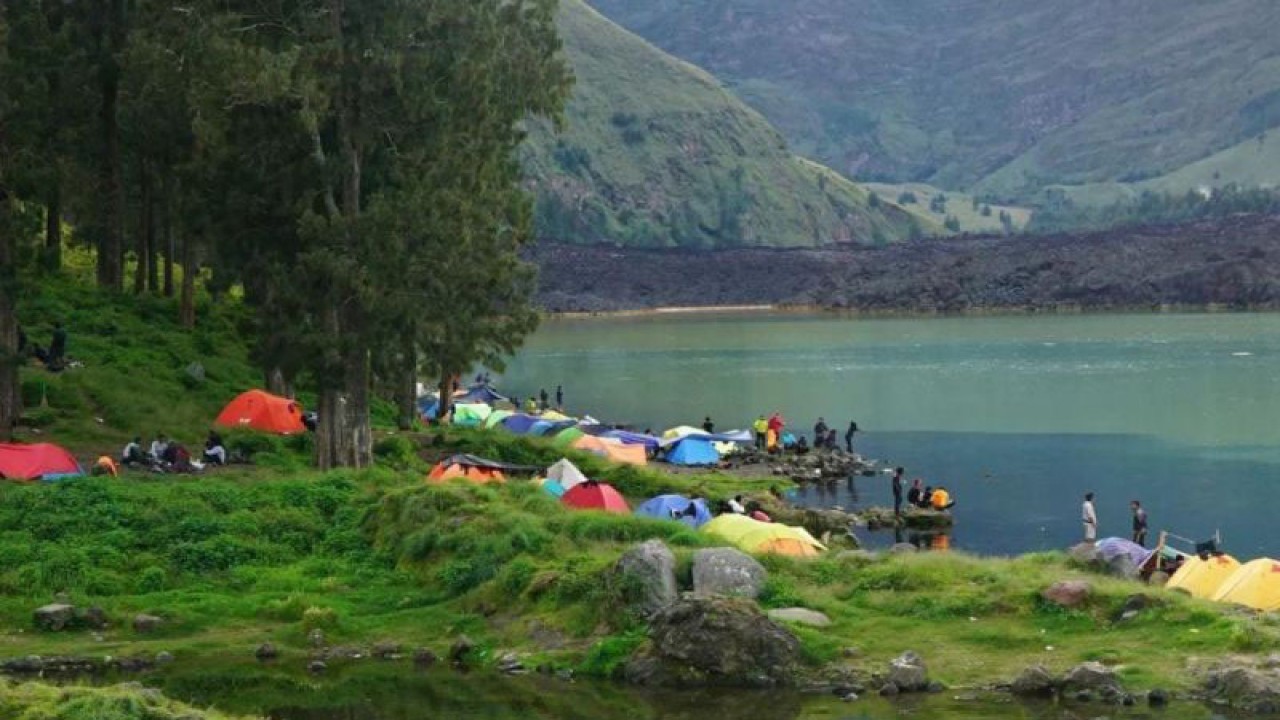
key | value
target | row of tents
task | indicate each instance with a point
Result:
(1215, 577)
(574, 489)
(477, 407)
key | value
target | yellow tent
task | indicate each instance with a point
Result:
(554, 416)
(682, 431)
(754, 536)
(1255, 584)
(1202, 578)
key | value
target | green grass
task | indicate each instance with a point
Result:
(958, 205)
(135, 356)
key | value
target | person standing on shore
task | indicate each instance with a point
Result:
(543, 396)
(761, 427)
(897, 492)
(820, 433)
(848, 436)
(1139, 523)
(708, 426)
(559, 396)
(1090, 519)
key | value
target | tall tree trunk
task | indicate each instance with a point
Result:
(187, 304)
(10, 388)
(276, 383)
(406, 389)
(168, 251)
(149, 233)
(141, 271)
(111, 241)
(344, 437)
(53, 225)
(448, 380)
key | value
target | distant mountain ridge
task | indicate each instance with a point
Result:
(998, 97)
(655, 153)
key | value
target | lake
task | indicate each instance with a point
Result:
(1018, 416)
(384, 692)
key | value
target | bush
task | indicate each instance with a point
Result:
(607, 657)
(151, 579)
(397, 451)
(319, 618)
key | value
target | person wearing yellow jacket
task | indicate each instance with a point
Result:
(761, 428)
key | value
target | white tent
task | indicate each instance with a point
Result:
(566, 473)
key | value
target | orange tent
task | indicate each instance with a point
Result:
(263, 411)
(444, 473)
(613, 451)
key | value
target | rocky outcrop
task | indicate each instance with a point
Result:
(907, 673)
(726, 571)
(1034, 681)
(647, 574)
(1229, 262)
(54, 617)
(1247, 688)
(1068, 593)
(715, 641)
(1092, 677)
(800, 616)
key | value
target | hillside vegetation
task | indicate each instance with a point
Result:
(997, 97)
(656, 154)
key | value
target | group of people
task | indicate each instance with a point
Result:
(1089, 517)
(770, 435)
(751, 509)
(541, 403)
(167, 455)
(925, 497)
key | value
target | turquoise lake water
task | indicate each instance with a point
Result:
(1017, 416)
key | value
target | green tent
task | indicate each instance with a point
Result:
(496, 417)
(470, 415)
(566, 437)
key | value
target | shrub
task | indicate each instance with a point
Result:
(151, 579)
(319, 618)
(607, 657)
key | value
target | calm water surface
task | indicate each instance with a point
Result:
(1018, 416)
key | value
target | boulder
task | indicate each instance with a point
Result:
(317, 666)
(1123, 566)
(1134, 605)
(1068, 593)
(1034, 681)
(1091, 677)
(425, 657)
(143, 623)
(726, 571)
(799, 615)
(510, 664)
(266, 651)
(715, 641)
(1157, 698)
(94, 618)
(889, 690)
(903, 549)
(648, 575)
(460, 649)
(54, 617)
(908, 673)
(1159, 578)
(386, 650)
(1243, 687)
(164, 657)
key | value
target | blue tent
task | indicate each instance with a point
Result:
(519, 424)
(552, 486)
(693, 451)
(632, 438)
(480, 394)
(428, 406)
(667, 507)
(548, 428)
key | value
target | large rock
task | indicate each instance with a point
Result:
(725, 571)
(799, 615)
(908, 673)
(1123, 566)
(1068, 593)
(144, 624)
(702, 641)
(1091, 676)
(648, 575)
(1035, 681)
(1244, 687)
(54, 617)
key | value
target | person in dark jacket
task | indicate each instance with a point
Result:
(897, 491)
(848, 436)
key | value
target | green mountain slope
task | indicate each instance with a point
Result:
(657, 154)
(996, 96)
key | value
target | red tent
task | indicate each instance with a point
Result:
(28, 463)
(596, 496)
(263, 411)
